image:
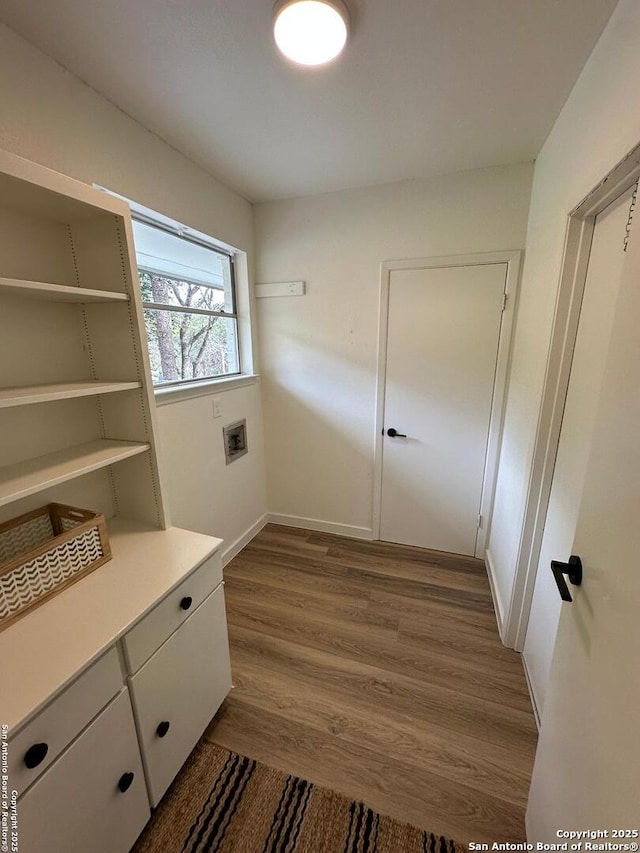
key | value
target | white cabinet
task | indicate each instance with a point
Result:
(93, 799)
(40, 742)
(143, 640)
(178, 690)
(67, 800)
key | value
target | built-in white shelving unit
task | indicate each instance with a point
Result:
(57, 292)
(76, 406)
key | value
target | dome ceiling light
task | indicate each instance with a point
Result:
(311, 32)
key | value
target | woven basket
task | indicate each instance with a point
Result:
(43, 552)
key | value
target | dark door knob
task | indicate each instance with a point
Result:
(163, 728)
(393, 433)
(35, 755)
(186, 602)
(124, 782)
(573, 570)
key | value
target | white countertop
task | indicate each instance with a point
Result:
(44, 651)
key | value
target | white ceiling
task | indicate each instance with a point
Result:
(424, 87)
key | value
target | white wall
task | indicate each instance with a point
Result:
(599, 124)
(50, 116)
(318, 352)
(233, 500)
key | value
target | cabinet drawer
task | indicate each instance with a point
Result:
(76, 806)
(151, 632)
(183, 685)
(41, 741)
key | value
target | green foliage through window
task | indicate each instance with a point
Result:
(188, 295)
(187, 345)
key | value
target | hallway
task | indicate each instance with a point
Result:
(376, 670)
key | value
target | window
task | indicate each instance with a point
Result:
(189, 302)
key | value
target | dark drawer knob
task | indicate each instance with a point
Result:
(36, 754)
(124, 783)
(163, 728)
(186, 602)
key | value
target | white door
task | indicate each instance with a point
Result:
(587, 769)
(596, 317)
(442, 344)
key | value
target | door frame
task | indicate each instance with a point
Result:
(512, 259)
(573, 276)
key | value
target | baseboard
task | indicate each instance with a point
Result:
(321, 526)
(497, 603)
(532, 696)
(229, 553)
(497, 606)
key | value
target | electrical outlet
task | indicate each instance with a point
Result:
(217, 407)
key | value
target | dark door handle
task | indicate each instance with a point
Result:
(393, 433)
(573, 569)
(186, 602)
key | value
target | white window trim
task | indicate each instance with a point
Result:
(153, 216)
(203, 388)
(200, 388)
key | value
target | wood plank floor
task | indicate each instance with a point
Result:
(376, 670)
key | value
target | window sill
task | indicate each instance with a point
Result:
(178, 393)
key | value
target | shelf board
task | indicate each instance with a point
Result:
(28, 394)
(57, 292)
(34, 475)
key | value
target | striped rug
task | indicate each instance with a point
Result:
(224, 803)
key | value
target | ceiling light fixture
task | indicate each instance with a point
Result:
(311, 32)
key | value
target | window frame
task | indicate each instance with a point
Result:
(184, 233)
